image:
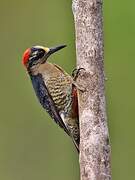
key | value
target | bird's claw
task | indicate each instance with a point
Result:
(75, 74)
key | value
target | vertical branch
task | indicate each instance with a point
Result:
(94, 137)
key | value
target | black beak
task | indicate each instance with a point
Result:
(51, 51)
(55, 49)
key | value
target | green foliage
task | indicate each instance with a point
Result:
(32, 146)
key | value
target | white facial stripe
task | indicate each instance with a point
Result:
(34, 53)
(45, 48)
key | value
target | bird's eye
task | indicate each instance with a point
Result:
(38, 54)
(35, 57)
(41, 53)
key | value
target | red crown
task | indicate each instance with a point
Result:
(26, 56)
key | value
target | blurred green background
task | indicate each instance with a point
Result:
(31, 146)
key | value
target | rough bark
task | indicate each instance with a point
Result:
(94, 137)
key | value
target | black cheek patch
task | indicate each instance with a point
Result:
(40, 53)
(33, 59)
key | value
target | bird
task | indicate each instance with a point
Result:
(54, 88)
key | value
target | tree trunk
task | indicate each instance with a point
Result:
(94, 136)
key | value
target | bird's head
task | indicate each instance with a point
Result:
(38, 55)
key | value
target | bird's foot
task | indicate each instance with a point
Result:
(75, 74)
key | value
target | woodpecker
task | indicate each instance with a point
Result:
(54, 88)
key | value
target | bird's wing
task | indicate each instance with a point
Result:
(47, 101)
